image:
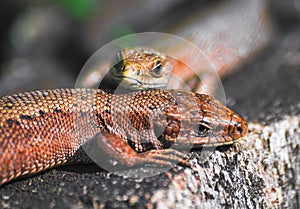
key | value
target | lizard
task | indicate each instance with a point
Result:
(40, 130)
(139, 68)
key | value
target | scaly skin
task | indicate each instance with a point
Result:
(43, 129)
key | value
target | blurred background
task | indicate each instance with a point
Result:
(44, 44)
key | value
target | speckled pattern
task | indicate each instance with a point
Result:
(43, 129)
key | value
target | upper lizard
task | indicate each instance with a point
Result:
(141, 68)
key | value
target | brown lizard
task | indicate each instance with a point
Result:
(43, 129)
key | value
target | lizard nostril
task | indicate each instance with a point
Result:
(239, 128)
(242, 128)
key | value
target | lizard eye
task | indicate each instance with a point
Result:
(157, 70)
(202, 129)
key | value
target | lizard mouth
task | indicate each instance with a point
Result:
(138, 84)
(194, 141)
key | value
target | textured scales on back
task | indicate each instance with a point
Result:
(43, 129)
(37, 131)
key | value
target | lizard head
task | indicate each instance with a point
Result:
(141, 69)
(199, 119)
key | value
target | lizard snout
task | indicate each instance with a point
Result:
(238, 127)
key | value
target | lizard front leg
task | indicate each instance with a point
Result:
(119, 149)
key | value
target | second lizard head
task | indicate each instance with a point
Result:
(141, 68)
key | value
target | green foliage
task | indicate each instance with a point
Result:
(81, 9)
